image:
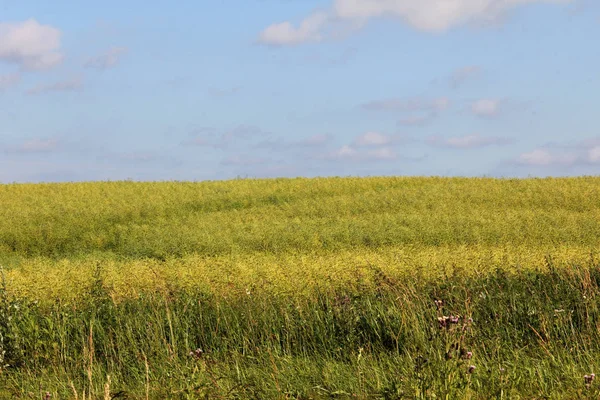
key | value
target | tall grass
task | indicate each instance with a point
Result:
(532, 334)
(301, 288)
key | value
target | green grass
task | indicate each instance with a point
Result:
(301, 288)
(533, 335)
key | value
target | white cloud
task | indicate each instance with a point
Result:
(384, 153)
(8, 80)
(536, 157)
(108, 59)
(344, 152)
(408, 105)
(285, 33)
(30, 45)
(372, 139)
(543, 157)
(594, 154)
(349, 153)
(486, 107)
(468, 141)
(583, 152)
(423, 15)
(68, 85)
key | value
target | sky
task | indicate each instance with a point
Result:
(211, 90)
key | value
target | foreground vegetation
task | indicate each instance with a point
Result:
(301, 288)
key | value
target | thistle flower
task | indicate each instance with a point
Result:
(468, 355)
(443, 322)
(471, 369)
(197, 353)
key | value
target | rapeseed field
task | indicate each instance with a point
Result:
(384, 287)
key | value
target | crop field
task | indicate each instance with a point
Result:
(333, 288)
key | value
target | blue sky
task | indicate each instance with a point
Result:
(265, 88)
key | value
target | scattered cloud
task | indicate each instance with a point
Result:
(486, 107)
(464, 74)
(243, 132)
(209, 137)
(412, 111)
(314, 140)
(417, 119)
(36, 145)
(243, 160)
(343, 152)
(202, 137)
(408, 105)
(224, 92)
(281, 144)
(138, 157)
(425, 15)
(584, 152)
(468, 141)
(30, 45)
(68, 85)
(372, 139)
(277, 143)
(286, 34)
(200, 141)
(594, 154)
(540, 157)
(8, 80)
(106, 60)
(350, 153)
(382, 153)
